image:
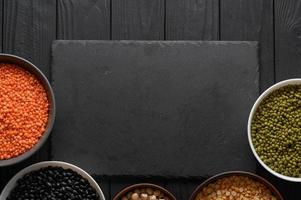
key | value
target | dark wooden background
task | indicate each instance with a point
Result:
(29, 26)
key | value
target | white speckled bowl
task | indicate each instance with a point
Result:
(296, 81)
(12, 183)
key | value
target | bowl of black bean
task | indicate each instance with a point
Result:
(52, 180)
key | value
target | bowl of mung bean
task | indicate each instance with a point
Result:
(236, 185)
(52, 180)
(274, 129)
(144, 191)
(27, 109)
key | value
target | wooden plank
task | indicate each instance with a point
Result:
(86, 20)
(251, 20)
(287, 39)
(138, 19)
(104, 184)
(69, 25)
(192, 19)
(289, 190)
(288, 61)
(29, 26)
(183, 188)
(89, 19)
(6, 173)
(119, 183)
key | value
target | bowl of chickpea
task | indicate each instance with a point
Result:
(144, 191)
(236, 185)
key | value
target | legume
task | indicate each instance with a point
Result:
(235, 188)
(24, 110)
(145, 194)
(276, 130)
(53, 183)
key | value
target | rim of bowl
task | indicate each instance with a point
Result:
(12, 182)
(31, 68)
(256, 177)
(143, 185)
(295, 81)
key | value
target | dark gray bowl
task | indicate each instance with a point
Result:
(8, 58)
(255, 177)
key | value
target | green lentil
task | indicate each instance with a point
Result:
(276, 130)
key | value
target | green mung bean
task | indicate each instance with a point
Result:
(276, 130)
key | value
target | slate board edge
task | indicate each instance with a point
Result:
(56, 42)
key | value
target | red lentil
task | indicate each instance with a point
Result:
(24, 110)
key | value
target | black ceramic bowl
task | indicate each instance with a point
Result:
(255, 177)
(143, 185)
(28, 66)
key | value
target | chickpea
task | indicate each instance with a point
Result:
(149, 191)
(153, 197)
(135, 196)
(143, 196)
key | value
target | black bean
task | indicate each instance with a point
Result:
(53, 183)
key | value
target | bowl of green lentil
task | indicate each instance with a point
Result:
(274, 129)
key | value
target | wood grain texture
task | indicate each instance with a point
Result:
(289, 190)
(104, 184)
(88, 19)
(182, 188)
(192, 19)
(138, 19)
(251, 20)
(287, 62)
(6, 173)
(85, 20)
(29, 27)
(287, 39)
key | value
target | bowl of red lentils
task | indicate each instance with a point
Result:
(236, 185)
(144, 191)
(27, 109)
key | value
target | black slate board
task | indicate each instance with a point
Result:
(154, 108)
